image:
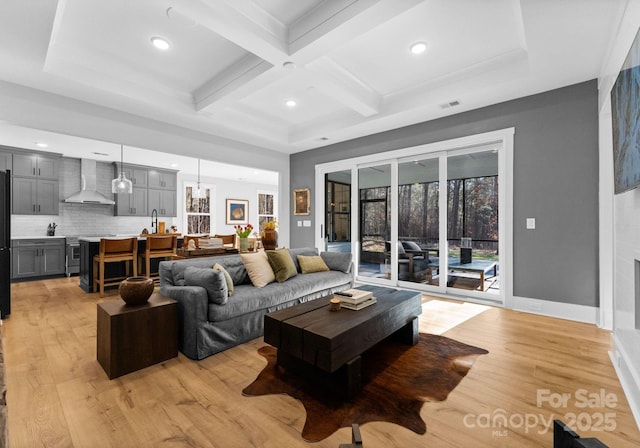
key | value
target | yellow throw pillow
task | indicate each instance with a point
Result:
(227, 277)
(258, 268)
(282, 264)
(313, 263)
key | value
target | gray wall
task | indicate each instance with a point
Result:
(555, 181)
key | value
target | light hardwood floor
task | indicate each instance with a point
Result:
(59, 396)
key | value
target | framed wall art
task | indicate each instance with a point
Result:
(301, 201)
(237, 211)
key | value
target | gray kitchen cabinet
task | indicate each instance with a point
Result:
(35, 165)
(164, 201)
(38, 257)
(32, 196)
(152, 189)
(137, 175)
(134, 204)
(161, 179)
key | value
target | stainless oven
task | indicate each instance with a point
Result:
(73, 256)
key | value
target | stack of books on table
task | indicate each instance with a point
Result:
(210, 243)
(355, 299)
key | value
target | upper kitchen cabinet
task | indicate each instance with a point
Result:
(35, 196)
(136, 174)
(35, 165)
(152, 189)
(163, 201)
(35, 185)
(162, 179)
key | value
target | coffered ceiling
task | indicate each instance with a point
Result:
(232, 64)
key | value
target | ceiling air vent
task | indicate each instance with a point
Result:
(453, 103)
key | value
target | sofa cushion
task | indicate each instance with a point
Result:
(258, 268)
(337, 261)
(211, 280)
(227, 277)
(314, 263)
(300, 288)
(282, 264)
(308, 251)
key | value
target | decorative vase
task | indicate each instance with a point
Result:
(269, 239)
(136, 290)
(244, 244)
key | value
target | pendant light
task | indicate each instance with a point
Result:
(198, 193)
(121, 184)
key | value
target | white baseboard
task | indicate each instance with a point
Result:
(629, 378)
(570, 311)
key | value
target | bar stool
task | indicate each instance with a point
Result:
(114, 251)
(160, 246)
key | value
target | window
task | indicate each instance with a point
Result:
(198, 211)
(266, 208)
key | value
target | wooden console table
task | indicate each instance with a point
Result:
(131, 338)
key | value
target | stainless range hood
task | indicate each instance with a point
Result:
(88, 194)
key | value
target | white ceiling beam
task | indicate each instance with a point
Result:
(232, 83)
(241, 22)
(331, 24)
(336, 22)
(341, 85)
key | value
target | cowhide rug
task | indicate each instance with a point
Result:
(397, 379)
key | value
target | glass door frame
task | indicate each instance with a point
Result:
(504, 139)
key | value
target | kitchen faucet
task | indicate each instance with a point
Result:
(154, 222)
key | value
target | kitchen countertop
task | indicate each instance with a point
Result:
(30, 237)
(96, 239)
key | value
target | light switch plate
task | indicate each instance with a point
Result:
(531, 223)
(299, 223)
(306, 223)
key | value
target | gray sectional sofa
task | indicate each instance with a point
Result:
(206, 327)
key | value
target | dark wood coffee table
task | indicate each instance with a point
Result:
(328, 344)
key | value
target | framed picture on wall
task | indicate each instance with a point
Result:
(301, 201)
(237, 211)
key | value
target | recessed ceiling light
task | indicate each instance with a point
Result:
(174, 165)
(160, 43)
(41, 145)
(290, 103)
(418, 47)
(289, 65)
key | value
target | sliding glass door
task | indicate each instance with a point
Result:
(374, 199)
(472, 221)
(418, 242)
(434, 220)
(337, 209)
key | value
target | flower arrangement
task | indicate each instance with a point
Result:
(270, 225)
(243, 232)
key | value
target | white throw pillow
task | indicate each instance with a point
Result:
(258, 268)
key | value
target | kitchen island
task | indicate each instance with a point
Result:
(90, 246)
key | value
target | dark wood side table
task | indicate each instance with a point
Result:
(131, 338)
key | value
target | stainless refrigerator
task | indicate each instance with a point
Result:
(5, 243)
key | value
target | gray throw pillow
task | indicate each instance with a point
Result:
(211, 280)
(337, 261)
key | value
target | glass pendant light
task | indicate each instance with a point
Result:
(121, 184)
(198, 193)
